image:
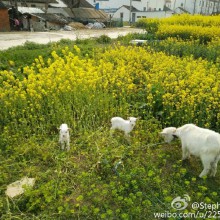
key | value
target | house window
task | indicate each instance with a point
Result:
(154, 9)
(121, 15)
(32, 5)
(159, 9)
(181, 4)
(144, 9)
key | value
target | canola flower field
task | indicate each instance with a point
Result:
(104, 177)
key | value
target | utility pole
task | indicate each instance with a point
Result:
(194, 9)
(202, 3)
(130, 12)
(46, 6)
(174, 6)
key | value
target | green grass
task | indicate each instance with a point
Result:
(26, 54)
(101, 177)
(88, 182)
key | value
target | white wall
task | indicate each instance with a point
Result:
(194, 6)
(140, 14)
(140, 5)
(153, 14)
(123, 11)
(205, 7)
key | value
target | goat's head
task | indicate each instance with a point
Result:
(132, 121)
(168, 134)
(64, 130)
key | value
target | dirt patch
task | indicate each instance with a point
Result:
(77, 25)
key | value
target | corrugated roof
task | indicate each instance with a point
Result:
(64, 11)
(89, 13)
(81, 13)
(53, 18)
(30, 10)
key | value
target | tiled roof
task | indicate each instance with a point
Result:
(133, 9)
(184, 10)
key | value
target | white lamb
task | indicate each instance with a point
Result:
(123, 125)
(202, 143)
(167, 134)
(64, 137)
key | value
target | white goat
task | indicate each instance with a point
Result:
(202, 143)
(167, 134)
(123, 125)
(64, 137)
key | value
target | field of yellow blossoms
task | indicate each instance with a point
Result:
(121, 80)
(104, 177)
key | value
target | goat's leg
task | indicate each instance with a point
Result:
(214, 166)
(207, 164)
(62, 145)
(185, 152)
(68, 145)
(213, 169)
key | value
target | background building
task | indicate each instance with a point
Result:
(4, 18)
(205, 7)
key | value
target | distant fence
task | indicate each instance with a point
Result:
(116, 22)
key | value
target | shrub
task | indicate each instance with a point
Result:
(150, 25)
(104, 39)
